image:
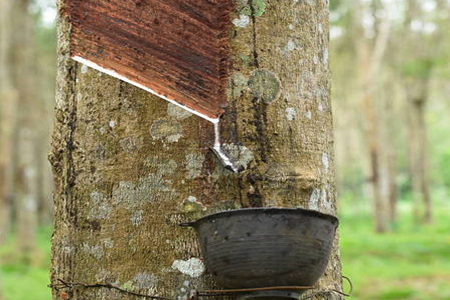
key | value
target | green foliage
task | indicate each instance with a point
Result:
(418, 68)
(444, 168)
(351, 180)
(439, 144)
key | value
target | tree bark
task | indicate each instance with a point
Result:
(45, 104)
(8, 112)
(1, 294)
(25, 175)
(390, 164)
(389, 131)
(128, 167)
(370, 62)
(417, 94)
(4, 101)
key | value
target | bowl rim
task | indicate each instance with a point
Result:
(303, 211)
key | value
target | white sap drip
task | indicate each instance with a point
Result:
(217, 147)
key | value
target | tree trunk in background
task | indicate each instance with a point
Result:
(417, 94)
(1, 294)
(389, 154)
(44, 199)
(8, 103)
(390, 164)
(43, 140)
(46, 82)
(129, 168)
(370, 54)
(26, 175)
(26, 196)
(4, 101)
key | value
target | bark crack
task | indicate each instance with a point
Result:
(121, 89)
(70, 144)
(260, 124)
(253, 17)
(260, 107)
(62, 159)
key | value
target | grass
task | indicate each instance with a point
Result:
(412, 263)
(21, 280)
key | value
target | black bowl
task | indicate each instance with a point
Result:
(266, 247)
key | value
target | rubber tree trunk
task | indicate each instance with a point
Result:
(1, 293)
(388, 137)
(417, 94)
(390, 162)
(370, 55)
(17, 108)
(42, 132)
(128, 167)
(8, 97)
(26, 173)
(45, 100)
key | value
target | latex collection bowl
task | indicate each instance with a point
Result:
(266, 247)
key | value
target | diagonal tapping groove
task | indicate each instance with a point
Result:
(176, 49)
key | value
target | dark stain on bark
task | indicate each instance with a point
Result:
(70, 148)
(260, 120)
(253, 17)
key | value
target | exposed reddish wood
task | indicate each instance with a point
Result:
(177, 48)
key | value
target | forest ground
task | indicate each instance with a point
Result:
(411, 263)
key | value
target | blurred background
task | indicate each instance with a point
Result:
(390, 61)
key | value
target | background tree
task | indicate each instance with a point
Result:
(26, 98)
(418, 70)
(45, 49)
(1, 297)
(414, 60)
(8, 99)
(25, 175)
(372, 43)
(129, 167)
